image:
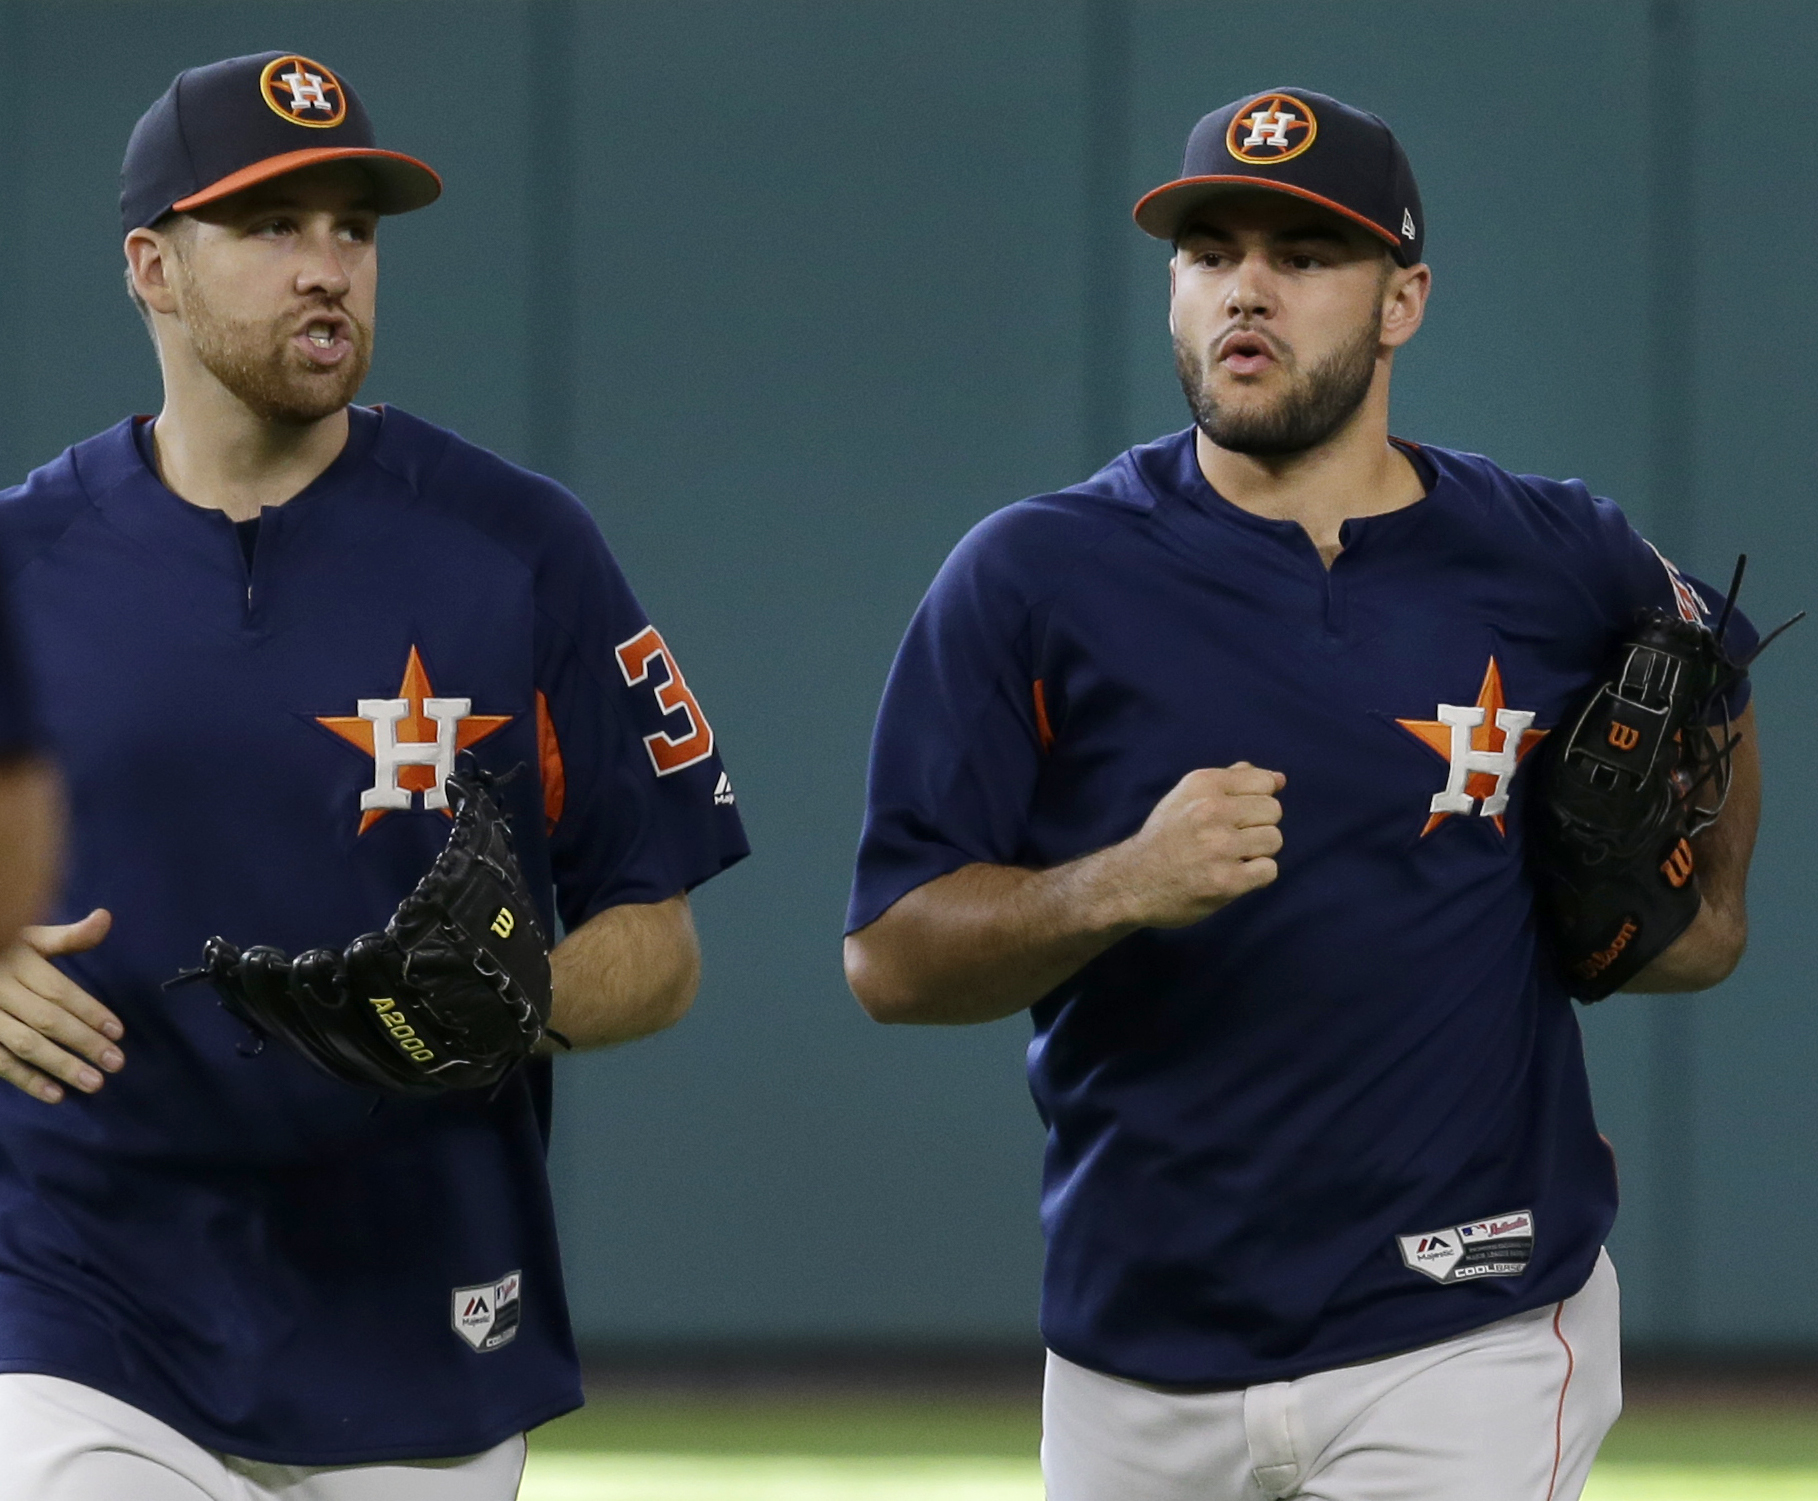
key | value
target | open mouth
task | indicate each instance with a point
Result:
(325, 340)
(1245, 353)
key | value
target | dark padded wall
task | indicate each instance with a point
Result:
(793, 293)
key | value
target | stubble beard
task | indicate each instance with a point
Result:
(256, 363)
(1314, 407)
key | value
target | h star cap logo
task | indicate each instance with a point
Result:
(413, 740)
(303, 92)
(1271, 129)
(1482, 744)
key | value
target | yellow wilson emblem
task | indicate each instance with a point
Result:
(303, 92)
(504, 923)
(1270, 129)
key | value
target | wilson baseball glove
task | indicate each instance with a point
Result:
(1626, 784)
(454, 993)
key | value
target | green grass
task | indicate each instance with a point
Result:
(769, 1477)
(1763, 1438)
(1611, 1482)
(830, 1428)
(786, 1448)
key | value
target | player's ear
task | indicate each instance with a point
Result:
(148, 256)
(1404, 302)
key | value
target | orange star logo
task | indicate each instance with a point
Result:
(413, 740)
(1482, 745)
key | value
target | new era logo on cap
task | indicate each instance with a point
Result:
(303, 92)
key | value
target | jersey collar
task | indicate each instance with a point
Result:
(116, 473)
(1170, 466)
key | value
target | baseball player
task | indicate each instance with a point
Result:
(266, 623)
(1220, 764)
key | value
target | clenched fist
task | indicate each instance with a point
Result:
(1211, 839)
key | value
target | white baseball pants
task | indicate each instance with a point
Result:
(1510, 1412)
(60, 1441)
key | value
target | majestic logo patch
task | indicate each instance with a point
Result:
(412, 740)
(1483, 744)
(1271, 128)
(722, 792)
(1500, 1246)
(487, 1316)
(303, 92)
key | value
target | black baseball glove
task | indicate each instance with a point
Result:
(452, 995)
(1626, 784)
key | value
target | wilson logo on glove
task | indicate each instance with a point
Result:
(1592, 967)
(1677, 867)
(1628, 782)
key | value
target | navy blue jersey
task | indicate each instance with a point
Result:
(1346, 1115)
(279, 1265)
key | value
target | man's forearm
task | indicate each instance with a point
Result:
(988, 940)
(983, 942)
(625, 973)
(30, 836)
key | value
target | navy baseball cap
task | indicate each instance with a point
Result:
(229, 125)
(1295, 141)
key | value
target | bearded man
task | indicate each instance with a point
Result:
(1214, 762)
(264, 624)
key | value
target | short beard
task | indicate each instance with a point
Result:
(1314, 407)
(256, 363)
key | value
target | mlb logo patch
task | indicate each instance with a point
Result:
(487, 1316)
(1500, 1246)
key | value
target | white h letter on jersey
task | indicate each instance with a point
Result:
(389, 753)
(1501, 764)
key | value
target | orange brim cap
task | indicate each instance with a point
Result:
(404, 183)
(1160, 211)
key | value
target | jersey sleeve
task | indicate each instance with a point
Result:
(637, 802)
(958, 747)
(1645, 579)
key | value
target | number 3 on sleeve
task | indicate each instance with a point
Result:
(667, 752)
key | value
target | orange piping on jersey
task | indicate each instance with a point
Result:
(549, 759)
(1042, 727)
